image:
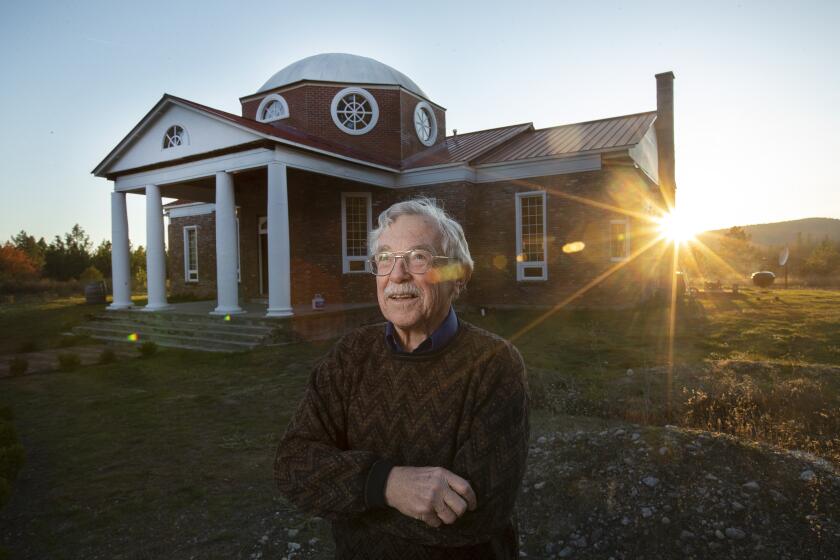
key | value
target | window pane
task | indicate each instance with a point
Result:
(356, 224)
(192, 253)
(533, 228)
(356, 266)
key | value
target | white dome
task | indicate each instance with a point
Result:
(343, 68)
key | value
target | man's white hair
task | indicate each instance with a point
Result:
(452, 240)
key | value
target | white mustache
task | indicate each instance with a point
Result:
(402, 290)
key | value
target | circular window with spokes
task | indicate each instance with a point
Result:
(175, 136)
(425, 123)
(272, 108)
(354, 110)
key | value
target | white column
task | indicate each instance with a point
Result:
(227, 254)
(279, 259)
(155, 254)
(120, 258)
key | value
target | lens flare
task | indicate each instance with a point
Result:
(574, 247)
(446, 273)
(227, 317)
(500, 262)
(133, 337)
(676, 227)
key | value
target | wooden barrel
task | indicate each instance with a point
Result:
(95, 292)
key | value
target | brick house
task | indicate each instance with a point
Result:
(275, 204)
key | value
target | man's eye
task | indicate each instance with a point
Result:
(383, 257)
(419, 257)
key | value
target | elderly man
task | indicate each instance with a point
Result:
(412, 436)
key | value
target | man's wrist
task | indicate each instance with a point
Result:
(375, 484)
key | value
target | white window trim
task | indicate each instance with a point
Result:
(186, 140)
(520, 266)
(267, 100)
(423, 105)
(187, 254)
(374, 107)
(345, 259)
(626, 223)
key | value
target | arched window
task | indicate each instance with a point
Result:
(354, 110)
(175, 136)
(272, 108)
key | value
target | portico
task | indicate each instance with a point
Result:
(206, 172)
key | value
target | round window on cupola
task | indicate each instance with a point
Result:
(272, 108)
(425, 123)
(354, 111)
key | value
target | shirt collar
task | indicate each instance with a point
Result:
(437, 340)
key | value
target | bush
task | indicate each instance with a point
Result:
(69, 361)
(107, 356)
(18, 365)
(147, 348)
(90, 275)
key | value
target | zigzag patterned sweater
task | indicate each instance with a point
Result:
(366, 408)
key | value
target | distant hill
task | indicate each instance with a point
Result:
(786, 233)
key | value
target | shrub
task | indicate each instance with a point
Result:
(147, 348)
(107, 356)
(18, 365)
(89, 275)
(69, 361)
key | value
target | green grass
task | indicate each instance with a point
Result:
(36, 324)
(172, 455)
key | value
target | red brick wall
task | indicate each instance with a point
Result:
(410, 143)
(487, 213)
(491, 232)
(393, 137)
(206, 230)
(309, 111)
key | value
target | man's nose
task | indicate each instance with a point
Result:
(400, 271)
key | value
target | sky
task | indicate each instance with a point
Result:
(756, 91)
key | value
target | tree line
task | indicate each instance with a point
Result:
(71, 257)
(733, 256)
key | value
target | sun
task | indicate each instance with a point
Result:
(676, 227)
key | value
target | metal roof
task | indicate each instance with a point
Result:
(465, 147)
(342, 68)
(603, 134)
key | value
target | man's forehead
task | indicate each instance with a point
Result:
(410, 232)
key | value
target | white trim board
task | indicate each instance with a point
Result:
(194, 209)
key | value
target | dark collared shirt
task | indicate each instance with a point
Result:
(438, 339)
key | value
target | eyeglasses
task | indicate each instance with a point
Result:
(417, 261)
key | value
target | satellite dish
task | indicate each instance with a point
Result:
(783, 256)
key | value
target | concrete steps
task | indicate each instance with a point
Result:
(193, 332)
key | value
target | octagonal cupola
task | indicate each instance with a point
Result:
(353, 101)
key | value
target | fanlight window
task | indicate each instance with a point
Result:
(354, 111)
(425, 123)
(272, 108)
(175, 136)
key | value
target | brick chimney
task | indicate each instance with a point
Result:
(665, 135)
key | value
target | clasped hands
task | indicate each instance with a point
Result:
(433, 495)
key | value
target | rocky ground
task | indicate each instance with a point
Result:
(598, 489)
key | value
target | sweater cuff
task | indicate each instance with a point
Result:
(375, 485)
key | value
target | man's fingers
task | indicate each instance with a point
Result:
(455, 502)
(431, 519)
(463, 488)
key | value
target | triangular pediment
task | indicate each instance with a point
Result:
(144, 146)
